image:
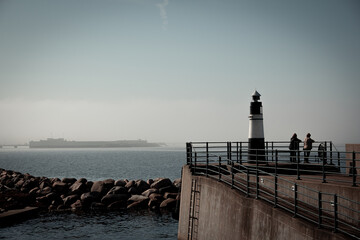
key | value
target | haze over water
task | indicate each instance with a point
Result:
(177, 71)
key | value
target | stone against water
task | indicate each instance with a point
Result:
(60, 187)
(70, 200)
(169, 203)
(148, 192)
(117, 205)
(161, 183)
(110, 198)
(136, 198)
(78, 187)
(118, 190)
(120, 183)
(69, 180)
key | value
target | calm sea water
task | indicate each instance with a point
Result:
(96, 164)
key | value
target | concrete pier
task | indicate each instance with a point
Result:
(225, 213)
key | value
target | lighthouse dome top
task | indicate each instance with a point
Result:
(256, 96)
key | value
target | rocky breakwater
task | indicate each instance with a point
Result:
(19, 190)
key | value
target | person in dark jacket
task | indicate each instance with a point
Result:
(307, 147)
(294, 145)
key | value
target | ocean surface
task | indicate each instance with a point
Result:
(96, 164)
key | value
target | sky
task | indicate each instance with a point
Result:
(176, 71)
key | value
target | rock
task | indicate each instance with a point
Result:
(69, 180)
(169, 203)
(102, 187)
(60, 187)
(97, 206)
(19, 183)
(110, 198)
(177, 183)
(118, 205)
(133, 191)
(138, 205)
(45, 191)
(89, 185)
(88, 198)
(150, 191)
(34, 190)
(76, 205)
(170, 188)
(118, 190)
(77, 187)
(45, 183)
(137, 198)
(70, 200)
(150, 181)
(142, 186)
(120, 183)
(130, 184)
(156, 197)
(161, 183)
(170, 195)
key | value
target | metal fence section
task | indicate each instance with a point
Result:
(276, 179)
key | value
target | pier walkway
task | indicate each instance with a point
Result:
(324, 192)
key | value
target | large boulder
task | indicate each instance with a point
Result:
(60, 187)
(118, 205)
(69, 180)
(137, 198)
(118, 190)
(148, 192)
(101, 187)
(161, 183)
(88, 198)
(141, 186)
(110, 198)
(120, 183)
(78, 187)
(70, 200)
(169, 203)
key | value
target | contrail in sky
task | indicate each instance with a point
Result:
(163, 14)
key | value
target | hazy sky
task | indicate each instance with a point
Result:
(178, 70)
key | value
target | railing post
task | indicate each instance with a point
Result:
(232, 174)
(257, 175)
(237, 152)
(240, 153)
(298, 167)
(188, 154)
(338, 158)
(354, 169)
(247, 182)
(335, 213)
(320, 209)
(295, 199)
(195, 163)
(276, 179)
(219, 169)
(323, 168)
(331, 153)
(207, 159)
(267, 152)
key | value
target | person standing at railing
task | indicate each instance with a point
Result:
(307, 147)
(294, 145)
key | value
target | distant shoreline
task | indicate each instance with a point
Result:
(62, 143)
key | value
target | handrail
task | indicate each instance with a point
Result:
(268, 180)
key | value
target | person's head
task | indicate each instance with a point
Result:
(294, 135)
(308, 135)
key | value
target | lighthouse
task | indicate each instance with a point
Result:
(256, 129)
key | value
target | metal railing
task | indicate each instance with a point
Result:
(276, 179)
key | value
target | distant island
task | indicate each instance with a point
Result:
(62, 143)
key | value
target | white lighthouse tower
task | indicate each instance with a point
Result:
(256, 129)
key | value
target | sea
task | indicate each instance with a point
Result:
(96, 164)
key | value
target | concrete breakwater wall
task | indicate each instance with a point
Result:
(18, 190)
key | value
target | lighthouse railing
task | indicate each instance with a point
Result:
(278, 181)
